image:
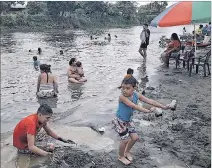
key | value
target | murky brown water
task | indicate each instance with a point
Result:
(104, 66)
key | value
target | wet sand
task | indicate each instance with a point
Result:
(178, 139)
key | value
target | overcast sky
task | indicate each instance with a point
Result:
(146, 2)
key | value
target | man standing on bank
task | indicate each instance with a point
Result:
(145, 35)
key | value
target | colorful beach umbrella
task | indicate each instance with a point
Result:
(184, 13)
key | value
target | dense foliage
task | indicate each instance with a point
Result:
(79, 14)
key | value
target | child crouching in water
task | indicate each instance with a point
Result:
(123, 120)
(129, 74)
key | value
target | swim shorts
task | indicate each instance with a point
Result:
(123, 128)
(143, 46)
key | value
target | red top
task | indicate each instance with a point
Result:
(28, 125)
(173, 44)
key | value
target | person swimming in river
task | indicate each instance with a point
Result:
(123, 124)
(61, 52)
(36, 63)
(109, 37)
(80, 69)
(39, 50)
(47, 84)
(24, 135)
(72, 73)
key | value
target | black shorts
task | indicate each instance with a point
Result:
(143, 45)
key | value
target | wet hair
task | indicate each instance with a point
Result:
(61, 52)
(130, 81)
(175, 37)
(35, 58)
(78, 63)
(44, 109)
(71, 61)
(45, 68)
(146, 25)
(130, 71)
(39, 50)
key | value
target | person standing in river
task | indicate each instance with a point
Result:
(144, 36)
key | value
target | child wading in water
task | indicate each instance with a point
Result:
(123, 120)
(130, 72)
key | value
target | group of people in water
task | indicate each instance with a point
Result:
(24, 135)
(106, 38)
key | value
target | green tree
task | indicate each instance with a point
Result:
(55, 8)
(127, 9)
(36, 7)
(92, 7)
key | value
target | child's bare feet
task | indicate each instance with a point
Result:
(128, 156)
(124, 160)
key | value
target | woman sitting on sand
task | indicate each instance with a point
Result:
(73, 74)
(173, 46)
(47, 85)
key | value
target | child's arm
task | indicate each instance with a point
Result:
(132, 105)
(151, 102)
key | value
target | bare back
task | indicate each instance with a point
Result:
(44, 79)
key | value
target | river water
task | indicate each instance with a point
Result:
(105, 64)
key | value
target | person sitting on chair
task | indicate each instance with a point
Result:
(173, 46)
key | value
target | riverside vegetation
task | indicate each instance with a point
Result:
(77, 14)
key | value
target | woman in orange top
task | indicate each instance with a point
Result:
(173, 46)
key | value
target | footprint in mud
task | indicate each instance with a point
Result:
(150, 88)
(169, 74)
(149, 117)
(177, 127)
(193, 106)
